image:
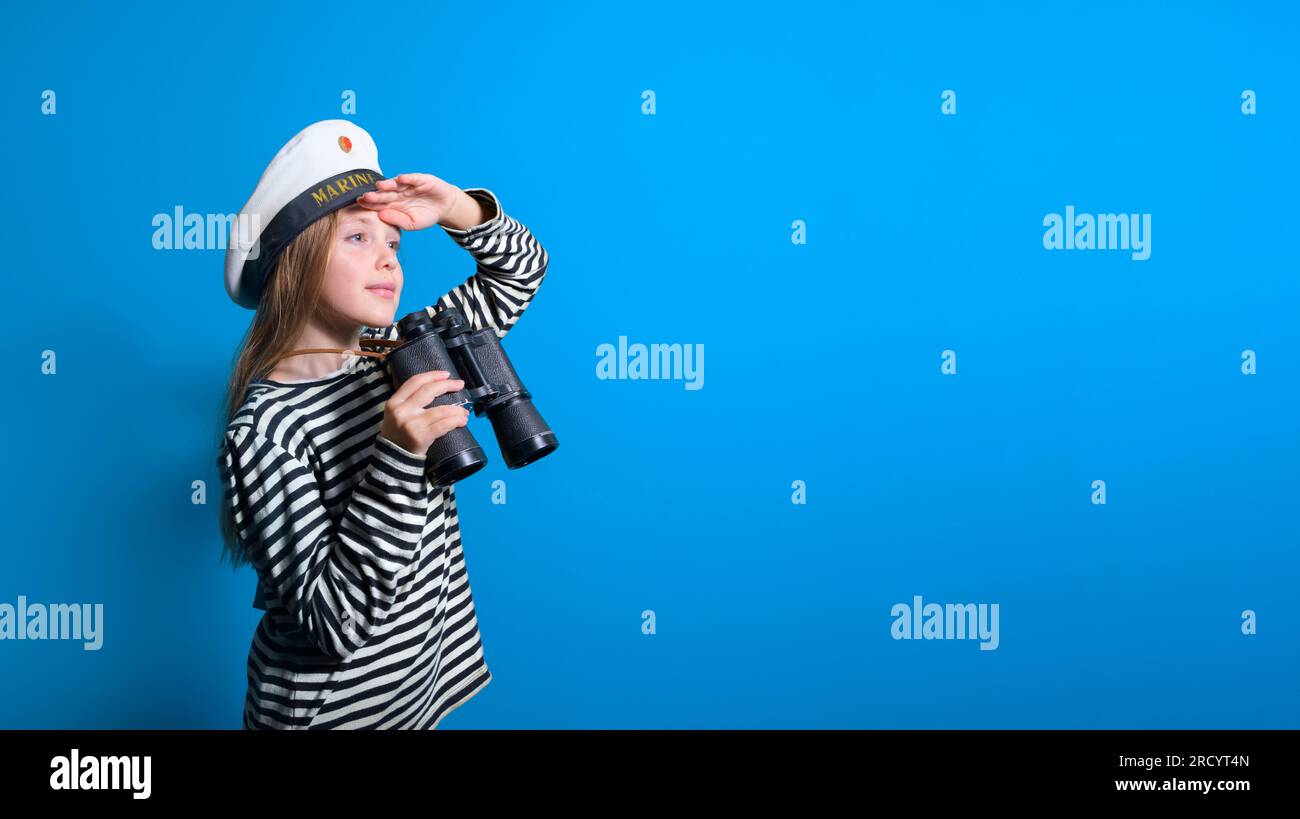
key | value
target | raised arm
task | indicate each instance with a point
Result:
(338, 582)
(509, 267)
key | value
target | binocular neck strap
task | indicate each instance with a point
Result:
(377, 342)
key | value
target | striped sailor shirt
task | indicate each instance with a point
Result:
(369, 620)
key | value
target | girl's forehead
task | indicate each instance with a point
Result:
(356, 213)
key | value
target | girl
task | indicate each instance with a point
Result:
(369, 621)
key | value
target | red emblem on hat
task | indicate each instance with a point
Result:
(345, 144)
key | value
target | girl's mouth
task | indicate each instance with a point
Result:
(382, 292)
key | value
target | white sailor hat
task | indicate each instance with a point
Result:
(326, 166)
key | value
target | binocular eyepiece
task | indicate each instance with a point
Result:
(447, 342)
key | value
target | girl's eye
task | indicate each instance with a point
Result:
(394, 244)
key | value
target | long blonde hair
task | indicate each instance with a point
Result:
(289, 299)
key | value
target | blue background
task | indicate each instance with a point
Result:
(822, 361)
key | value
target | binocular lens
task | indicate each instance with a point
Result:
(525, 452)
(522, 435)
(459, 465)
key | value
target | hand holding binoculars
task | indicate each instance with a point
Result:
(447, 342)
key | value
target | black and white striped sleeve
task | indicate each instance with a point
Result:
(510, 266)
(337, 581)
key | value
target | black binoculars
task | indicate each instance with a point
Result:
(447, 342)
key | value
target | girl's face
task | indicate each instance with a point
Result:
(363, 280)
